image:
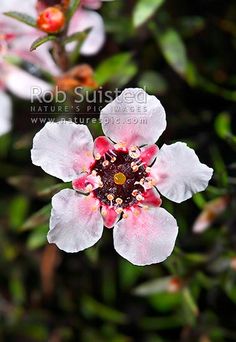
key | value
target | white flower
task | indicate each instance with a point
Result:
(119, 175)
(5, 113)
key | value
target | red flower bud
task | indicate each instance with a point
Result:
(51, 20)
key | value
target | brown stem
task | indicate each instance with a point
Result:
(60, 55)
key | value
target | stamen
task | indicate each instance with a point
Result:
(113, 159)
(105, 163)
(110, 197)
(134, 168)
(134, 152)
(135, 192)
(139, 198)
(119, 200)
(98, 156)
(148, 169)
(94, 173)
(149, 183)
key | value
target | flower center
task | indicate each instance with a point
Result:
(122, 178)
(119, 178)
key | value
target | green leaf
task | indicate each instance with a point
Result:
(199, 200)
(153, 286)
(165, 301)
(153, 82)
(161, 323)
(219, 166)
(223, 125)
(39, 218)
(145, 9)
(5, 140)
(17, 289)
(22, 17)
(173, 48)
(35, 187)
(74, 4)
(189, 305)
(38, 237)
(118, 69)
(77, 36)
(48, 192)
(129, 274)
(18, 210)
(40, 41)
(94, 308)
(174, 51)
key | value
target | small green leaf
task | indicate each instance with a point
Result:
(48, 192)
(39, 218)
(17, 289)
(22, 17)
(38, 237)
(74, 4)
(40, 41)
(189, 304)
(223, 125)
(174, 50)
(145, 9)
(165, 301)
(18, 210)
(77, 36)
(118, 69)
(153, 82)
(199, 200)
(172, 47)
(94, 308)
(153, 286)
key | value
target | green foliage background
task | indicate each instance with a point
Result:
(183, 52)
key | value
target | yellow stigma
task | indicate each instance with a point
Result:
(119, 178)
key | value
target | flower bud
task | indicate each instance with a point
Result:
(51, 20)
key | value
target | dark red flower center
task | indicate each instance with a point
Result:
(122, 177)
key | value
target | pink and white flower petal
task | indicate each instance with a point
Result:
(146, 236)
(149, 153)
(151, 198)
(86, 183)
(63, 149)
(21, 83)
(92, 4)
(27, 7)
(6, 113)
(134, 118)
(102, 145)
(110, 216)
(10, 25)
(76, 222)
(178, 172)
(82, 20)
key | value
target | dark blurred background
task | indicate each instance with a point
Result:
(184, 53)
